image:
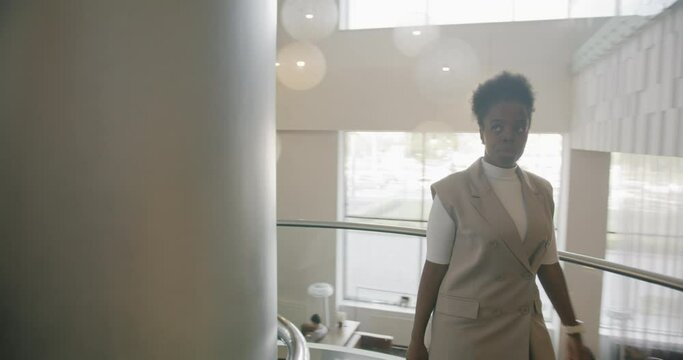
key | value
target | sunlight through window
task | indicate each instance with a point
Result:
(369, 14)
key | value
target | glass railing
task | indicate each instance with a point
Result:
(374, 272)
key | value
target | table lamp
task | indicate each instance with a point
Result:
(324, 291)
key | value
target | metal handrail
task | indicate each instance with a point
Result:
(628, 271)
(579, 259)
(293, 339)
(352, 226)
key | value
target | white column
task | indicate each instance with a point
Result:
(585, 206)
(137, 185)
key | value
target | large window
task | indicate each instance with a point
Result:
(386, 180)
(367, 14)
(644, 231)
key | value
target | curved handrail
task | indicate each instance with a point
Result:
(579, 259)
(352, 226)
(293, 339)
(628, 271)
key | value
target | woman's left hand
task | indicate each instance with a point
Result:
(576, 350)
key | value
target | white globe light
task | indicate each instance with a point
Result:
(302, 66)
(309, 20)
(447, 71)
(414, 34)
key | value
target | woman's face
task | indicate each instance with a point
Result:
(504, 133)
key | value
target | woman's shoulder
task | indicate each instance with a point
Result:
(450, 185)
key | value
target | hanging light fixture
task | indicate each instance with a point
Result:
(301, 66)
(411, 39)
(446, 70)
(309, 20)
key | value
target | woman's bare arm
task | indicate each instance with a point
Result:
(552, 279)
(430, 282)
(555, 285)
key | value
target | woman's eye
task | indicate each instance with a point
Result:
(496, 128)
(521, 129)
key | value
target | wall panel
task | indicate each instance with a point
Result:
(641, 83)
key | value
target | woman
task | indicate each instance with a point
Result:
(490, 233)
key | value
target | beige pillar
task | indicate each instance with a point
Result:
(137, 153)
(585, 207)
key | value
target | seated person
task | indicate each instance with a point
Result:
(314, 330)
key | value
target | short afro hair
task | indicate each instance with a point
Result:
(503, 87)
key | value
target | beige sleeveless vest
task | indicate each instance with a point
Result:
(488, 305)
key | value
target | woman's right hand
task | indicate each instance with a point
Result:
(417, 351)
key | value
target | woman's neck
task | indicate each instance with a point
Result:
(498, 172)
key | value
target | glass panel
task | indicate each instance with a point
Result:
(641, 315)
(385, 268)
(644, 231)
(307, 256)
(645, 209)
(327, 352)
(383, 173)
(630, 309)
(638, 318)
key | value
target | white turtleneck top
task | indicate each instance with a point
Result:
(508, 188)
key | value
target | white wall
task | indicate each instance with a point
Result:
(632, 100)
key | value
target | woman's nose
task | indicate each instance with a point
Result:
(508, 133)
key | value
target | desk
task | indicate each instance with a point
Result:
(340, 335)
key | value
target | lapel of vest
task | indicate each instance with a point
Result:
(537, 237)
(490, 208)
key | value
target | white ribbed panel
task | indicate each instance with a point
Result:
(631, 100)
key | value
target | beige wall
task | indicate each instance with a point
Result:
(586, 188)
(307, 175)
(371, 86)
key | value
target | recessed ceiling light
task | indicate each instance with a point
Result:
(300, 63)
(445, 69)
(417, 32)
(309, 16)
